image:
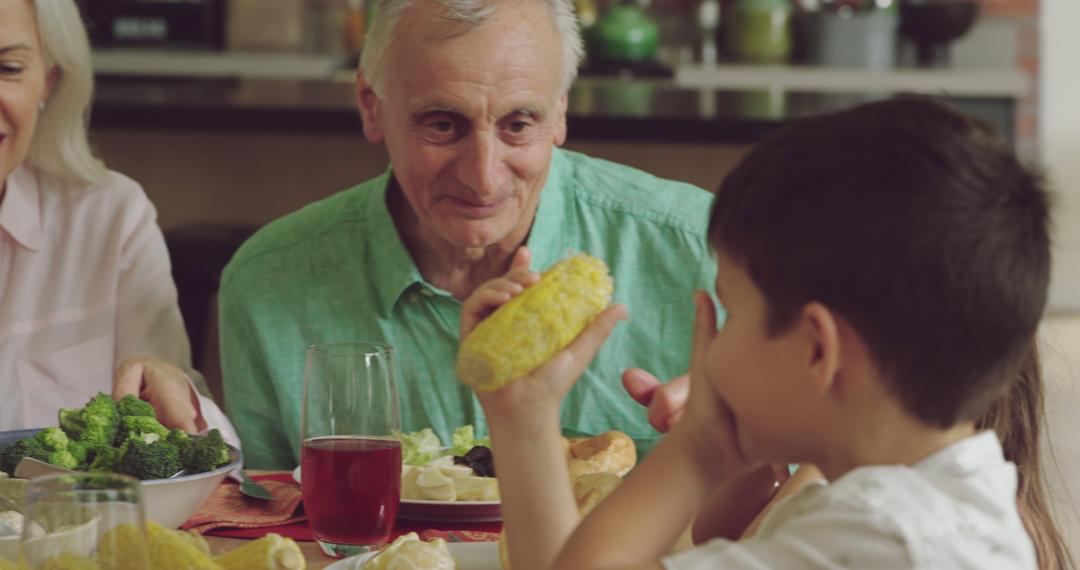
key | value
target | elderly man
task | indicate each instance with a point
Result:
(469, 97)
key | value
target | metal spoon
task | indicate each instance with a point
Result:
(251, 488)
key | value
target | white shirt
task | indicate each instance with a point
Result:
(954, 510)
(85, 283)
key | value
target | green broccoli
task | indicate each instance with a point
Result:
(95, 424)
(11, 455)
(131, 406)
(107, 459)
(52, 439)
(178, 437)
(62, 458)
(156, 460)
(80, 451)
(58, 449)
(204, 453)
(146, 428)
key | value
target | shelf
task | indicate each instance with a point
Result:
(970, 82)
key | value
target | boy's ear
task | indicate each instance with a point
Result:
(368, 105)
(822, 358)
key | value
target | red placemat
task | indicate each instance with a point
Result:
(300, 530)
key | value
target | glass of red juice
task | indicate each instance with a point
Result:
(350, 457)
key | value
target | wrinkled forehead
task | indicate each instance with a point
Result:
(515, 47)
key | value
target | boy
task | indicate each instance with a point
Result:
(884, 270)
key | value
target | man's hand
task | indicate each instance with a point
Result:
(495, 293)
(665, 402)
(165, 386)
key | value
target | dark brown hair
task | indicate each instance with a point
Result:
(1017, 418)
(915, 223)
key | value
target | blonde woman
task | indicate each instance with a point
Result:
(87, 302)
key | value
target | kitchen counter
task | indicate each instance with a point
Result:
(608, 109)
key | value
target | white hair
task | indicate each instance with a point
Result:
(60, 147)
(465, 15)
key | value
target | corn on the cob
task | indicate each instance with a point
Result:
(169, 551)
(123, 547)
(271, 552)
(68, 561)
(534, 326)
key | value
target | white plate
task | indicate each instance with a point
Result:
(442, 511)
(469, 556)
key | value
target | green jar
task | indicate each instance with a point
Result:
(759, 31)
(624, 33)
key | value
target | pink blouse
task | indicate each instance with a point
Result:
(85, 282)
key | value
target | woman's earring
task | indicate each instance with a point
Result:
(41, 105)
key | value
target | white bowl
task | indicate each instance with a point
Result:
(168, 502)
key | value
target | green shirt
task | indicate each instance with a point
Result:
(337, 271)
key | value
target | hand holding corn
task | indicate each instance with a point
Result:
(514, 324)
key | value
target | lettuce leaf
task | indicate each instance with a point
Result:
(420, 447)
(464, 438)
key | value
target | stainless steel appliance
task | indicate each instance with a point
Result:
(198, 24)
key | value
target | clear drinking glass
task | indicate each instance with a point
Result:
(350, 457)
(84, 520)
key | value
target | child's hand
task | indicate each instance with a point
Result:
(707, 420)
(539, 393)
(498, 291)
(544, 388)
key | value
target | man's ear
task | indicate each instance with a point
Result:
(823, 343)
(368, 105)
(560, 121)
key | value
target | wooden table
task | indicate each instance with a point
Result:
(315, 558)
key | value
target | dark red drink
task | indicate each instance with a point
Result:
(351, 488)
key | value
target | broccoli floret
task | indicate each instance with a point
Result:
(95, 424)
(178, 437)
(146, 428)
(156, 460)
(62, 458)
(80, 451)
(205, 453)
(52, 439)
(11, 455)
(107, 459)
(55, 448)
(131, 406)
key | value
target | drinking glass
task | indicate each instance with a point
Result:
(350, 457)
(84, 520)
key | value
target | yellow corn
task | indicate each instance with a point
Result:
(534, 326)
(123, 547)
(68, 561)
(171, 551)
(271, 552)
